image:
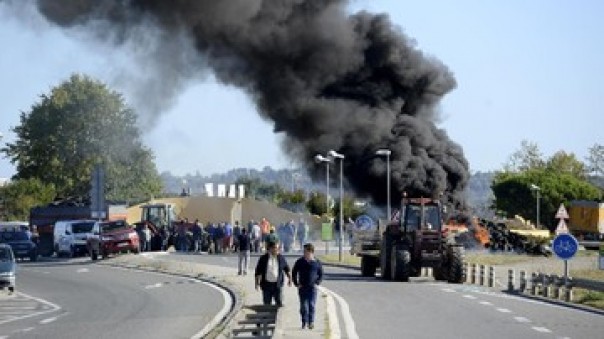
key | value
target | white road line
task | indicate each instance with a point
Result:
(541, 329)
(53, 307)
(349, 326)
(448, 290)
(332, 315)
(48, 320)
(522, 319)
(158, 285)
(504, 310)
(469, 296)
(226, 306)
(486, 303)
(83, 270)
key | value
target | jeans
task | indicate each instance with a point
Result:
(271, 291)
(308, 299)
(244, 259)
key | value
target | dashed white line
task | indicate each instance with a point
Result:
(469, 296)
(487, 303)
(449, 290)
(541, 329)
(504, 310)
(48, 320)
(158, 285)
(83, 270)
(522, 319)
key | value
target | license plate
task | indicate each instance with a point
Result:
(122, 244)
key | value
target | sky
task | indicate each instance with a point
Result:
(525, 70)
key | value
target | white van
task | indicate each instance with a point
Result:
(70, 236)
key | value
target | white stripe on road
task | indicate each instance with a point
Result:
(504, 310)
(487, 303)
(449, 290)
(468, 296)
(332, 315)
(83, 270)
(541, 329)
(522, 319)
(349, 326)
(48, 320)
(158, 285)
(226, 306)
(53, 307)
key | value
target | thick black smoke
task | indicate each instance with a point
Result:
(327, 79)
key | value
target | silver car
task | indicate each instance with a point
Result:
(8, 268)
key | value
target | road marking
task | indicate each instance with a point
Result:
(468, 296)
(332, 312)
(53, 307)
(541, 329)
(522, 319)
(226, 306)
(504, 310)
(83, 270)
(487, 303)
(48, 320)
(345, 310)
(449, 290)
(158, 285)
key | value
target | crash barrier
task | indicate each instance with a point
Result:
(259, 322)
(537, 284)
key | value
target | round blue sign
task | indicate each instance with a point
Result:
(565, 246)
(364, 223)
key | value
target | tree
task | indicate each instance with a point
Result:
(595, 160)
(20, 196)
(316, 203)
(527, 157)
(82, 123)
(563, 162)
(513, 193)
(350, 209)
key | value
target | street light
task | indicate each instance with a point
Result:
(386, 152)
(335, 155)
(537, 189)
(320, 158)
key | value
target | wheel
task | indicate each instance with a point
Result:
(400, 264)
(33, 257)
(94, 255)
(368, 266)
(11, 289)
(385, 250)
(456, 258)
(440, 273)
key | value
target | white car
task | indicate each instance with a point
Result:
(8, 268)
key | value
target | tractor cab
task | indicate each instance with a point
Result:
(421, 214)
(160, 215)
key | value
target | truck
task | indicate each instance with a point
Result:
(45, 217)
(406, 245)
(586, 221)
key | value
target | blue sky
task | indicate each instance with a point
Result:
(529, 70)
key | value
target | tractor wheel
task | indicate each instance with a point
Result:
(94, 255)
(400, 264)
(368, 266)
(385, 250)
(440, 273)
(456, 258)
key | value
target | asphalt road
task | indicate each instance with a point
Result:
(76, 299)
(423, 308)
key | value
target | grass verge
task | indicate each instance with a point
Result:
(347, 259)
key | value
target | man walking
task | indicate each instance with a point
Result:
(307, 274)
(244, 251)
(270, 273)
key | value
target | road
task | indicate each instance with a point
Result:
(77, 299)
(424, 308)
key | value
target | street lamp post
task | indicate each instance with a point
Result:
(537, 189)
(337, 155)
(387, 153)
(326, 160)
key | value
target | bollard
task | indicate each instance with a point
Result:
(533, 283)
(491, 281)
(545, 283)
(522, 284)
(568, 290)
(556, 287)
(473, 276)
(481, 276)
(510, 280)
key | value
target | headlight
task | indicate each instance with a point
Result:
(107, 238)
(7, 274)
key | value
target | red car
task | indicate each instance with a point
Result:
(116, 237)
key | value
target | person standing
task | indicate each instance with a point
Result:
(236, 233)
(256, 235)
(196, 230)
(270, 273)
(147, 233)
(302, 233)
(243, 239)
(307, 274)
(227, 242)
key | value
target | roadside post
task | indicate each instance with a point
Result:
(602, 256)
(326, 234)
(565, 246)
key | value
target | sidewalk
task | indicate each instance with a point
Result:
(288, 323)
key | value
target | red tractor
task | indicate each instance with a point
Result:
(414, 241)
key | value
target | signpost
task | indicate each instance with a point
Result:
(326, 234)
(565, 246)
(602, 256)
(97, 193)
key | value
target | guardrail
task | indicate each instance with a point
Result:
(537, 284)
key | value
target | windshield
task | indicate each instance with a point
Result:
(431, 217)
(13, 236)
(83, 227)
(5, 254)
(114, 225)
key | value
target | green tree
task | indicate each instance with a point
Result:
(527, 157)
(316, 204)
(19, 196)
(79, 124)
(563, 162)
(513, 193)
(350, 209)
(595, 160)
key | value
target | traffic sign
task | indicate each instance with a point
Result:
(364, 223)
(565, 246)
(561, 228)
(562, 213)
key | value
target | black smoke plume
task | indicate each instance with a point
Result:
(325, 78)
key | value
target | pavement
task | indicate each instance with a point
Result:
(288, 323)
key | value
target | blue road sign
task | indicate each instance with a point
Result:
(364, 223)
(565, 246)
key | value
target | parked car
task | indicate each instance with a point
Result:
(115, 237)
(70, 236)
(8, 268)
(21, 243)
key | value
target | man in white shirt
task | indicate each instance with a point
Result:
(271, 270)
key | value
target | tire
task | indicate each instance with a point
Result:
(368, 266)
(400, 264)
(456, 258)
(94, 255)
(440, 273)
(33, 257)
(385, 250)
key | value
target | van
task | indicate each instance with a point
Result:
(70, 236)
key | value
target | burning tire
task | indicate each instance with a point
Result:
(368, 266)
(385, 251)
(455, 255)
(400, 264)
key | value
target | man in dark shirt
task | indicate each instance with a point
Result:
(307, 274)
(243, 239)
